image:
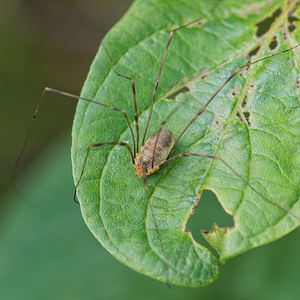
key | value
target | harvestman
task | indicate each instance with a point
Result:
(157, 150)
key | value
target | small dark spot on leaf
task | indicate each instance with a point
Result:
(203, 76)
(234, 93)
(242, 72)
(264, 26)
(217, 122)
(284, 35)
(297, 84)
(196, 24)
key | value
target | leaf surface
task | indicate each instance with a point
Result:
(253, 124)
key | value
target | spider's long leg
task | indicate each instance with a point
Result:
(238, 175)
(136, 117)
(86, 156)
(156, 225)
(161, 67)
(221, 87)
(47, 89)
(158, 78)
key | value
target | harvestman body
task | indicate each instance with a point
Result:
(162, 141)
(156, 151)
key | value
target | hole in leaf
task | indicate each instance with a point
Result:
(292, 18)
(273, 44)
(291, 27)
(264, 26)
(208, 212)
(239, 117)
(244, 103)
(253, 52)
(247, 117)
(173, 95)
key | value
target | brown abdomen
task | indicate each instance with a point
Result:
(164, 144)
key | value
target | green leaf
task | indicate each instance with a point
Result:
(260, 142)
(47, 252)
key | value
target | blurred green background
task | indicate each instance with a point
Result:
(45, 43)
(46, 251)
